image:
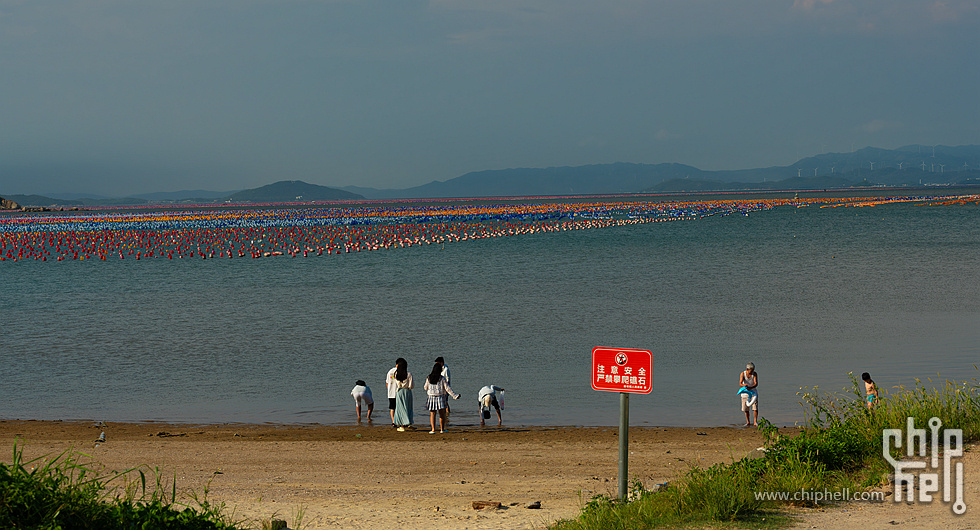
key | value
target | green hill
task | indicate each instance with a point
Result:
(292, 191)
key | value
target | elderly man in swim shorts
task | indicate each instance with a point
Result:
(749, 380)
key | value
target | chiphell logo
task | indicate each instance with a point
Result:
(926, 484)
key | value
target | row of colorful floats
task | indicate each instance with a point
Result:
(258, 233)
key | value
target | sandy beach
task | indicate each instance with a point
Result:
(371, 476)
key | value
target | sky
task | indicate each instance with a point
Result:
(122, 97)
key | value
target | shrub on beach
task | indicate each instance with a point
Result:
(839, 446)
(956, 403)
(846, 418)
(718, 493)
(63, 493)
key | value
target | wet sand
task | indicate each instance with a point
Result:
(372, 476)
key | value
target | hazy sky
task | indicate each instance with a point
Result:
(122, 97)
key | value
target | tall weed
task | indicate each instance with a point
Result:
(955, 403)
(61, 492)
(718, 493)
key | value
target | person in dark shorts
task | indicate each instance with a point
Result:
(488, 398)
(392, 389)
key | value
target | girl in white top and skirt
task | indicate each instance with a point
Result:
(438, 391)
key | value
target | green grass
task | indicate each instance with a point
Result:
(710, 495)
(62, 493)
(955, 402)
(838, 447)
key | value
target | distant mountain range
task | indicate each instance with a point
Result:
(913, 165)
(279, 192)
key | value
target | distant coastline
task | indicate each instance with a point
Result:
(868, 168)
(665, 196)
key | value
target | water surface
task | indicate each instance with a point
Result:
(806, 294)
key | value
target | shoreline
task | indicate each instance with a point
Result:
(466, 424)
(374, 476)
(76, 429)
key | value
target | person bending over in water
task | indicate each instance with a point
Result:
(362, 394)
(488, 398)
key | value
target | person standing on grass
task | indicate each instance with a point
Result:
(438, 391)
(362, 394)
(404, 407)
(749, 380)
(870, 389)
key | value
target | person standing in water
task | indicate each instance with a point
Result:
(445, 373)
(749, 380)
(445, 370)
(438, 392)
(870, 390)
(404, 414)
(392, 385)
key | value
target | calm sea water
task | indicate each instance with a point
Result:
(806, 294)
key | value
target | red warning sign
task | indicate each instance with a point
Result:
(622, 370)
